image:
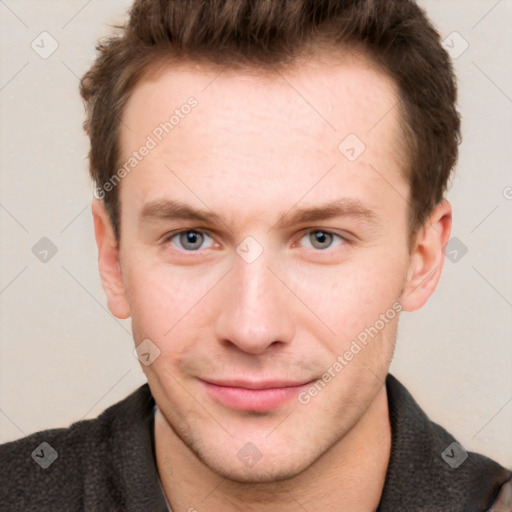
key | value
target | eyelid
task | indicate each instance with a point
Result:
(346, 236)
(170, 234)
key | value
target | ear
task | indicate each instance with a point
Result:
(108, 261)
(427, 257)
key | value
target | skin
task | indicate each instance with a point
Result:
(254, 151)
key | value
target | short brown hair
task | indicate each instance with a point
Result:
(396, 35)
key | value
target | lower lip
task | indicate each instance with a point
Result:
(252, 399)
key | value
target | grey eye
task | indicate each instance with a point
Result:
(190, 240)
(319, 239)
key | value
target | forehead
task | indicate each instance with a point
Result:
(255, 128)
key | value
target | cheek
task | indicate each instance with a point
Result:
(164, 298)
(351, 297)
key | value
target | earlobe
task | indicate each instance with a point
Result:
(427, 257)
(108, 261)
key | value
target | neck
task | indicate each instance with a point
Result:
(349, 476)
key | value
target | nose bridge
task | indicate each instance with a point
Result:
(252, 315)
(256, 289)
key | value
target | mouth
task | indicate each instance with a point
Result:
(253, 395)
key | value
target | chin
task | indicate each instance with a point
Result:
(247, 465)
(260, 473)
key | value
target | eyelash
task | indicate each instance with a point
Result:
(170, 236)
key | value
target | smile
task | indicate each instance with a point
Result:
(253, 396)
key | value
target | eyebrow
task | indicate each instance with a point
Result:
(338, 208)
(168, 209)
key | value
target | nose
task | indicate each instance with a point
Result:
(253, 314)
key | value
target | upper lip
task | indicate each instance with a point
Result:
(256, 384)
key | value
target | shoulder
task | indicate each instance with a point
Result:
(52, 469)
(429, 468)
(29, 467)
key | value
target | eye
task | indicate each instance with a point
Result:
(190, 240)
(320, 239)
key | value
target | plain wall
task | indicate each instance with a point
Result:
(65, 357)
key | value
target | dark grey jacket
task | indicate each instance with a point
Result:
(107, 464)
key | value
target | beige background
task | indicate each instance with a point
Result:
(64, 357)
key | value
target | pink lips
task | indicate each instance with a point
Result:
(253, 396)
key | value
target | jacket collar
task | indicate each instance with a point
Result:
(418, 476)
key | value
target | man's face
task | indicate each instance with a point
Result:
(269, 289)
